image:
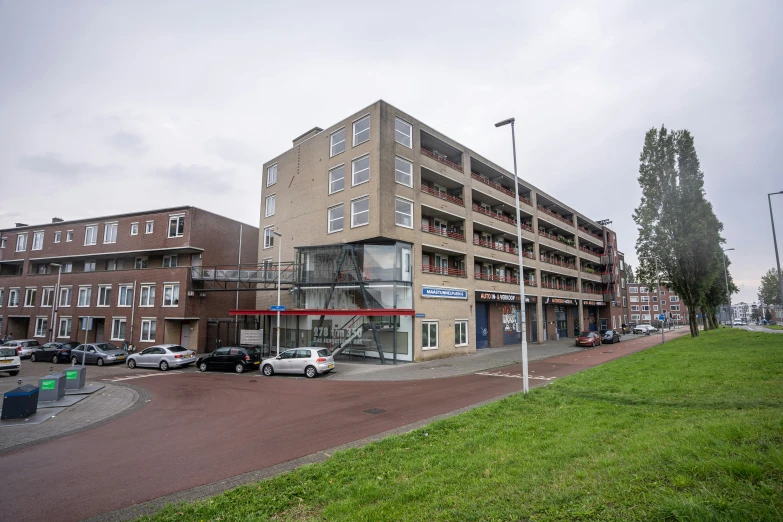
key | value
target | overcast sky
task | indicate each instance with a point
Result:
(124, 106)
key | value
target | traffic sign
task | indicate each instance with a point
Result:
(277, 308)
(661, 317)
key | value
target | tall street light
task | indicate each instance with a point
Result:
(55, 298)
(279, 273)
(726, 275)
(775, 240)
(519, 249)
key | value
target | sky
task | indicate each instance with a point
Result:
(111, 107)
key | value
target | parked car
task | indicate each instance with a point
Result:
(644, 328)
(234, 358)
(588, 339)
(163, 356)
(611, 337)
(98, 353)
(309, 361)
(9, 361)
(54, 352)
(24, 347)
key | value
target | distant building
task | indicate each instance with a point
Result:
(646, 303)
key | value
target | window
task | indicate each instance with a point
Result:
(3, 242)
(655, 299)
(67, 268)
(634, 308)
(65, 296)
(13, 297)
(85, 296)
(634, 298)
(624, 303)
(361, 131)
(403, 172)
(104, 295)
(149, 226)
(57, 236)
(634, 317)
(111, 265)
(622, 279)
(176, 226)
(269, 206)
(118, 329)
(645, 298)
(460, 333)
(169, 261)
(134, 229)
(141, 263)
(148, 330)
(41, 326)
(633, 290)
(271, 175)
(89, 266)
(336, 218)
(41, 269)
(674, 298)
(47, 296)
(644, 290)
(21, 242)
(29, 296)
(677, 316)
(269, 237)
(69, 236)
(655, 308)
(675, 308)
(663, 292)
(337, 179)
(645, 308)
(90, 234)
(645, 317)
(65, 327)
(429, 335)
(110, 233)
(360, 169)
(360, 212)
(126, 295)
(38, 238)
(171, 295)
(403, 133)
(147, 295)
(337, 142)
(2, 294)
(403, 213)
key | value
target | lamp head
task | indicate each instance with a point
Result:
(504, 122)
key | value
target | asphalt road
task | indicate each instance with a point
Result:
(200, 428)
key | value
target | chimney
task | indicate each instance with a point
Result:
(20, 225)
(307, 135)
(57, 220)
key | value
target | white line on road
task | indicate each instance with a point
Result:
(118, 379)
(503, 374)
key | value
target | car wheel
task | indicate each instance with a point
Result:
(100, 361)
(55, 359)
(310, 372)
(164, 366)
(239, 368)
(268, 370)
(32, 357)
(74, 360)
(131, 363)
(202, 367)
(14, 373)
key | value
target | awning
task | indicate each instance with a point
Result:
(374, 312)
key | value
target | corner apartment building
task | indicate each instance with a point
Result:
(129, 272)
(648, 302)
(433, 231)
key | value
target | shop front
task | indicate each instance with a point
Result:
(497, 316)
(591, 315)
(563, 317)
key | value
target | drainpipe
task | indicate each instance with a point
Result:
(239, 276)
(133, 314)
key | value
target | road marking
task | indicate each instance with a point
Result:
(118, 379)
(503, 374)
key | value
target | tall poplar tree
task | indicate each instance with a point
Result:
(677, 225)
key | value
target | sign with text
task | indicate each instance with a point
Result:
(503, 298)
(252, 337)
(561, 301)
(277, 308)
(71, 375)
(47, 384)
(593, 303)
(444, 292)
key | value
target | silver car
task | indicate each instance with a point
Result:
(24, 347)
(97, 353)
(163, 356)
(309, 361)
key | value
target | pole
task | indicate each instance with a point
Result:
(775, 240)
(55, 298)
(84, 351)
(726, 276)
(279, 274)
(133, 314)
(239, 277)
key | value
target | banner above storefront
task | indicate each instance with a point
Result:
(440, 292)
(503, 298)
(593, 303)
(561, 301)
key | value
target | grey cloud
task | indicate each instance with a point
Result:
(199, 178)
(128, 142)
(233, 151)
(53, 164)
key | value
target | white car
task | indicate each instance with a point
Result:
(644, 328)
(9, 361)
(162, 356)
(310, 361)
(24, 347)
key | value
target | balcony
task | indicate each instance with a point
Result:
(440, 231)
(565, 264)
(442, 158)
(492, 184)
(494, 215)
(555, 215)
(590, 252)
(441, 151)
(496, 278)
(442, 195)
(434, 269)
(559, 286)
(593, 291)
(495, 246)
(590, 233)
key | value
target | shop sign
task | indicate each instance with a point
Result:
(252, 337)
(326, 334)
(443, 292)
(503, 298)
(593, 303)
(561, 301)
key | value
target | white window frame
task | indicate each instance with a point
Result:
(68, 236)
(674, 298)
(47, 296)
(67, 267)
(30, 294)
(271, 175)
(141, 263)
(147, 337)
(14, 297)
(361, 140)
(635, 317)
(429, 335)
(149, 227)
(118, 323)
(41, 326)
(334, 170)
(329, 219)
(89, 265)
(148, 300)
(645, 298)
(104, 295)
(58, 236)
(354, 172)
(170, 261)
(655, 308)
(397, 213)
(644, 290)
(409, 136)
(90, 234)
(177, 219)
(269, 205)
(269, 236)
(3, 241)
(624, 302)
(674, 307)
(463, 323)
(333, 144)
(646, 317)
(110, 232)
(634, 298)
(174, 287)
(633, 290)
(88, 293)
(66, 302)
(124, 295)
(134, 230)
(64, 333)
(21, 246)
(353, 214)
(634, 308)
(397, 171)
(645, 308)
(38, 240)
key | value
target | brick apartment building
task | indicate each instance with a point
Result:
(432, 230)
(646, 303)
(130, 272)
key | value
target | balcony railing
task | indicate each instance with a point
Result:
(526, 201)
(555, 215)
(588, 251)
(496, 278)
(492, 184)
(459, 236)
(442, 195)
(588, 270)
(583, 229)
(434, 269)
(499, 217)
(526, 227)
(495, 246)
(595, 291)
(564, 264)
(528, 254)
(558, 286)
(442, 160)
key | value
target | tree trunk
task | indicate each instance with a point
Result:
(692, 322)
(704, 322)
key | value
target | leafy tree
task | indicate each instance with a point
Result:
(629, 276)
(755, 314)
(678, 230)
(716, 296)
(769, 290)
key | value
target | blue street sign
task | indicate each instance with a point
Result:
(276, 308)
(661, 317)
(421, 315)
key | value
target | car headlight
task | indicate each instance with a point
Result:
(111, 357)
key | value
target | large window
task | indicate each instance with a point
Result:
(65, 296)
(41, 326)
(126, 295)
(429, 335)
(58, 236)
(269, 237)
(271, 175)
(269, 206)
(675, 308)
(633, 290)
(3, 241)
(403, 172)
(360, 169)
(169, 261)
(118, 329)
(90, 234)
(403, 212)
(110, 233)
(134, 229)
(645, 298)
(337, 179)
(674, 298)
(140, 263)
(337, 142)
(403, 133)
(85, 296)
(176, 226)
(13, 297)
(171, 294)
(65, 327)
(67, 267)
(336, 218)
(460, 333)
(21, 242)
(104, 296)
(360, 212)
(68, 236)
(361, 130)
(89, 266)
(47, 296)
(634, 308)
(634, 298)
(38, 238)
(29, 296)
(148, 330)
(147, 295)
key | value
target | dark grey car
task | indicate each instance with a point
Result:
(98, 353)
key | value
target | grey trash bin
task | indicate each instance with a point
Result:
(52, 387)
(75, 377)
(20, 402)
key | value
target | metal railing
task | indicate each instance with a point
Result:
(442, 195)
(434, 269)
(442, 160)
(555, 215)
(440, 232)
(495, 215)
(495, 246)
(496, 278)
(564, 264)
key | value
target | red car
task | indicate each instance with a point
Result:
(588, 339)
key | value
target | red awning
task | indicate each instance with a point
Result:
(376, 312)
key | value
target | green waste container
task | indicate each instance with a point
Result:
(75, 377)
(52, 387)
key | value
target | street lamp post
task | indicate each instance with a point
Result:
(775, 240)
(279, 273)
(55, 298)
(519, 249)
(728, 294)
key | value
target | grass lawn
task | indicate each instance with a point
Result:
(775, 327)
(692, 430)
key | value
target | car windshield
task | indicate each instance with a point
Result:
(7, 352)
(105, 347)
(176, 349)
(584, 334)
(71, 345)
(323, 353)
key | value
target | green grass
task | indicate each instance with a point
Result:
(689, 431)
(775, 327)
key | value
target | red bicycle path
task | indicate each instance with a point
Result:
(202, 428)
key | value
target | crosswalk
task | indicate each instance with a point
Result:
(141, 376)
(505, 374)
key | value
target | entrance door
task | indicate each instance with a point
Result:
(441, 226)
(185, 338)
(441, 264)
(482, 325)
(99, 330)
(604, 325)
(591, 318)
(560, 321)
